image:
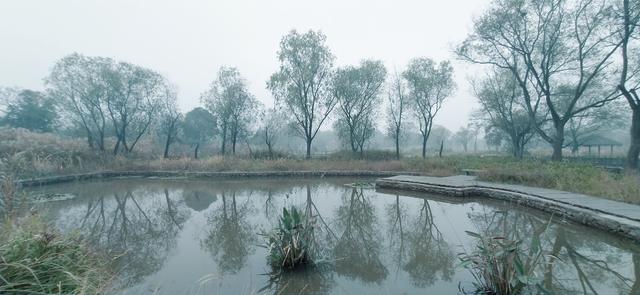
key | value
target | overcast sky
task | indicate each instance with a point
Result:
(187, 41)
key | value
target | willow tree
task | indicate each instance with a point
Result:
(301, 85)
(357, 91)
(558, 51)
(428, 84)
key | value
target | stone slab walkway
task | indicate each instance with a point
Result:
(617, 217)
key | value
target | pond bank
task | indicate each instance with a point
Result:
(202, 174)
(616, 217)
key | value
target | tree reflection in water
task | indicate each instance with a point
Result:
(429, 254)
(314, 279)
(230, 237)
(357, 250)
(584, 264)
(140, 233)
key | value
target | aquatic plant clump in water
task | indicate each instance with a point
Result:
(35, 259)
(292, 243)
(502, 266)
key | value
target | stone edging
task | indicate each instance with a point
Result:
(616, 224)
(204, 174)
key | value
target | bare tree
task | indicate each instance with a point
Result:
(273, 123)
(357, 91)
(301, 83)
(629, 83)
(557, 51)
(429, 85)
(464, 136)
(229, 99)
(398, 100)
(169, 120)
(502, 109)
(594, 121)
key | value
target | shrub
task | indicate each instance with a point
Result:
(292, 243)
(38, 260)
(502, 266)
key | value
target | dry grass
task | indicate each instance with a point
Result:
(26, 154)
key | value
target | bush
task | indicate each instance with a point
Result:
(38, 260)
(292, 243)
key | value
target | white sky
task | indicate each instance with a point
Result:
(188, 41)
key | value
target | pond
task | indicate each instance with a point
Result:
(183, 236)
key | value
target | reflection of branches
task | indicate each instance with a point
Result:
(357, 249)
(143, 232)
(577, 264)
(428, 253)
(313, 280)
(396, 232)
(230, 237)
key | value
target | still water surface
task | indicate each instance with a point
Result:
(179, 236)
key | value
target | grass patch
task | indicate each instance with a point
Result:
(573, 177)
(292, 243)
(502, 266)
(35, 259)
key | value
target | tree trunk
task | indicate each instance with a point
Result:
(224, 140)
(397, 146)
(166, 146)
(116, 147)
(308, 156)
(233, 146)
(634, 147)
(424, 147)
(441, 148)
(558, 142)
(195, 152)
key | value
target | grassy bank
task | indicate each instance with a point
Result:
(26, 154)
(36, 259)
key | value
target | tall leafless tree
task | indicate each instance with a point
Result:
(558, 51)
(629, 84)
(396, 110)
(502, 108)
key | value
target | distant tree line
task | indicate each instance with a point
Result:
(557, 71)
(114, 104)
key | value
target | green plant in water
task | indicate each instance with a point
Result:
(502, 266)
(35, 259)
(292, 243)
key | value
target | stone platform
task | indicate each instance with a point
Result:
(616, 217)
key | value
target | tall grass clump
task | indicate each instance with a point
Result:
(292, 243)
(34, 259)
(502, 266)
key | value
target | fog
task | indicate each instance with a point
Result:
(187, 41)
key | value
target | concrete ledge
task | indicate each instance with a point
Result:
(616, 217)
(204, 174)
